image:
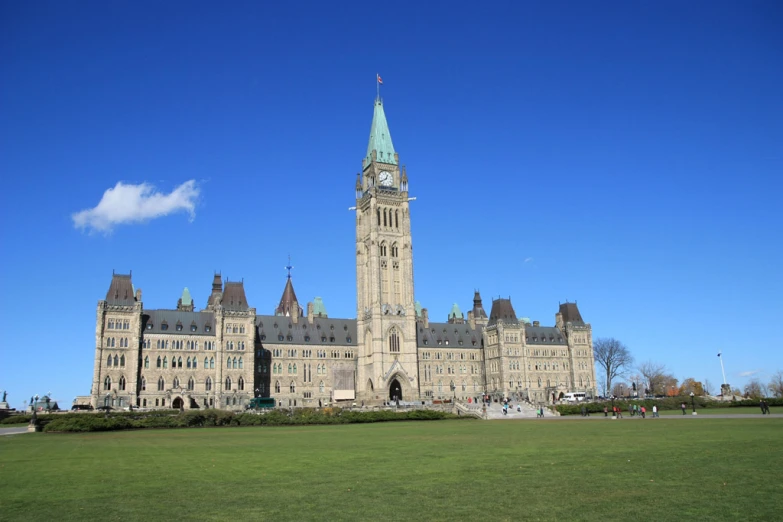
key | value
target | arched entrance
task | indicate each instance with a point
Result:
(395, 390)
(178, 404)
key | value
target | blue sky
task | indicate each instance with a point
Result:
(624, 155)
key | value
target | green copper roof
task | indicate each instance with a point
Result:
(186, 299)
(318, 307)
(456, 312)
(525, 320)
(380, 138)
(417, 307)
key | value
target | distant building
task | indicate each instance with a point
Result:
(225, 354)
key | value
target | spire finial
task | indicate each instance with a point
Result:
(289, 267)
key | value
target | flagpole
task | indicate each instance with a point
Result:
(720, 356)
(378, 86)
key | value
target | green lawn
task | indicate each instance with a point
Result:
(719, 411)
(718, 469)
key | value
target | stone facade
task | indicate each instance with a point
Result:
(225, 354)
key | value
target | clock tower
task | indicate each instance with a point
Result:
(387, 367)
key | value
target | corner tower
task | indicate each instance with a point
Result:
(386, 317)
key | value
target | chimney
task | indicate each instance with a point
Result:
(425, 317)
(559, 320)
(295, 312)
(138, 295)
(536, 323)
(471, 320)
(310, 312)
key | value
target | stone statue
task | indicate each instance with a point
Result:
(5, 394)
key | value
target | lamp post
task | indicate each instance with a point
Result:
(693, 404)
(621, 390)
(613, 411)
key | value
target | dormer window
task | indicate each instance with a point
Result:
(149, 326)
(307, 338)
(164, 326)
(323, 338)
(207, 328)
(179, 327)
(290, 337)
(263, 337)
(280, 337)
(193, 327)
(348, 339)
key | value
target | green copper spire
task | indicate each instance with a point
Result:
(380, 138)
(186, 299)
(417, 307)
(319, 310)
(456, 313)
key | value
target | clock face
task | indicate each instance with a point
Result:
(385, 178)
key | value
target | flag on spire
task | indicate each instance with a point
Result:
(380, 80)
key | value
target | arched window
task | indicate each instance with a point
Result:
(107, 383)
(292, 387)
(108, 360)
(394, 342)
(116, 361)
(188, 363)
(290, 368)
(321, 386)
(240, 363)
(241, 384)
(175, 384)
(179, 362)
(211, 363)
(161, 384)
(382, 249)
(195, 363)
(228, 363)
(159, 362)
(384, 217)
(539, 382)
(122, 383)
(294, 368)
(234, 362)
(143, 384)
(208, 384)
(228, 383)
(206, 363)
(147, 362)
(165, 362)
(394, 251)
(191, 384)
(378, 214)
(396, 220)
(277, 386)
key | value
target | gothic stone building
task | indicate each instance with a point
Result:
(226, 354)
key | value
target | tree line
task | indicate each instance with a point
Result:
(619, 376)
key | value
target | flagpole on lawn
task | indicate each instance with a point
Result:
(720, 356)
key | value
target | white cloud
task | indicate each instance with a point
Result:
(125, 204)
(749, 373)
(528, 259)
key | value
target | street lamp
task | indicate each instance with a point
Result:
(693, 404)
(621, 390)
(613, 411)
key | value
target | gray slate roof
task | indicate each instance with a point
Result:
(502, 310)
(447, 335)
(120, 290)
(154, 319)
(270, 329)
(537, 334)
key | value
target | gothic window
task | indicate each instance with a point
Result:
(241, 384)
(228, 383)
(165, 362)
(116, 361)
(396, 219)
(191, 384)
(228, 363)
(211, 363)
(107, 383)
(175, 384)
(394, 342)
(277, 386)
(143, 384)
(321, 386)
(161, 384)
(195, 363)
(188, 363)
(378, 212)
(147, 361)
(111, 324)
(394, 251)
(292, 387)
(108, 360)
(384, 217)
(240, 363)
(122, 361)
(290, 368)
(382, 249)
(179, 362)
(294, 368)
(208, 384)
(122, 383)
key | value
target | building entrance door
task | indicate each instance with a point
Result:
(395, 390)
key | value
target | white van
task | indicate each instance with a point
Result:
(574, 397)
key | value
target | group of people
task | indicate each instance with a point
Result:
(634, 410)
(764, 407)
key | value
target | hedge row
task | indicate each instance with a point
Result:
(82, 422)
(668, 403)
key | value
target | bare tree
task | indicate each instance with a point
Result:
(655, 375)
(775, 386)
(613, 358)
(754, 389)
(707, 385)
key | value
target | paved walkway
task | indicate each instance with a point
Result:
(12, 431)
(597, 416)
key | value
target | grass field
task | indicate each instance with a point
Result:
(700, 469)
